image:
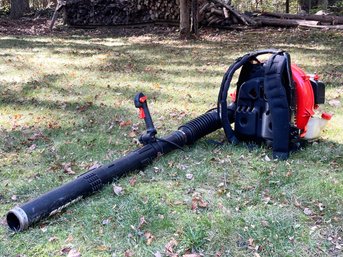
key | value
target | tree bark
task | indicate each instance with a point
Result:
(17, 9)
(26, 4)
(185, 25)
(287, 6)
(195, 18)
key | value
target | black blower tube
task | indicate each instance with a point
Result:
(21, 217)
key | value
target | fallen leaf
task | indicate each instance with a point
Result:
(251, 242)
(132, 134)
(93, 166)
(32, 147)
(105, 222)
(157, 254)
(128, 253)
(297, 203)
(189, 176)
(133, 181)
(125, 123)
(67, 168)
(53, 239)
(149, 238)
(321, 206)
(69, 239)
(157, 169)
(142, 221)
(84, 107)
(74, 253)
(17, 116)
(169, 247)
(44, 229)
(197, 201)
(65, 250)
(37, 135)
(118, 190)
(307, 211)
(264, 223)
(102, 248)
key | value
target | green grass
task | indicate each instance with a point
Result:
(69, 100)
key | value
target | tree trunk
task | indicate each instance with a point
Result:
(195, 18)
(26, 4)
(185, 25)
(287, 6)
(17, 9)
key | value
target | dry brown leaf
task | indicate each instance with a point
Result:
(129, 253)
(307, 211)
(32, 147)
(65, 250)
(133, 180)
(17, 116)
(53, 239)
(132, 134)
(93, 165)
(251, 242)
(74, 253)
(157, 254)
(297, 203)
(125, 123)
(118, 190)
(169, 247)
(69, 239)
(67, 168)
(142, 221)
(84, 107)
(102, 248)
(149, 238)
(197, 202)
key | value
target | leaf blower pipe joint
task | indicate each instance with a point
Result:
(17, 219)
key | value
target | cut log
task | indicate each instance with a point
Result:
(334, 20)
(275, 22)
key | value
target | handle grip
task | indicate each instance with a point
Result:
(140, 101)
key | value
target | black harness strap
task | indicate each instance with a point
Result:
(275, 91)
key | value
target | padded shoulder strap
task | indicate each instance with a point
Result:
(275, 91)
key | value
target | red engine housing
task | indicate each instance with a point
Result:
(304, 98)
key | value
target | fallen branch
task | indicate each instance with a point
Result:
(59, 6)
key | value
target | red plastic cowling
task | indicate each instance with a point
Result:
(304, 98)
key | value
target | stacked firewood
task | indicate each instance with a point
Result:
(216, 13)
(221, 13)
(119, 12)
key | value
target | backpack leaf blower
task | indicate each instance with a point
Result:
(273, 103)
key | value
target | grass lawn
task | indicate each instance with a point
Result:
(66, 104)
